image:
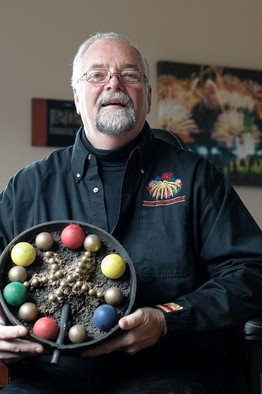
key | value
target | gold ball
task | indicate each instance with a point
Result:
(92, 292)
(85, 287)
(17, 274)
(28, 311)
(100, 294)
(92, 243)
(78, 334)
(34, 282)
(113, 296)
(52, 298)
(59, 274)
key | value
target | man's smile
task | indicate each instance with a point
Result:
(113, 103)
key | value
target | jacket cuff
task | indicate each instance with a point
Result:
(176, 316)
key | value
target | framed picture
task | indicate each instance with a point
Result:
(218, 112)
(54, 122)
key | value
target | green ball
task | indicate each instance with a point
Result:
(15, 294)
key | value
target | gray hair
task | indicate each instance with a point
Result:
(77, 62)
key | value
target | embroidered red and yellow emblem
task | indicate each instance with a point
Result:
(170, 307)
(164, 187)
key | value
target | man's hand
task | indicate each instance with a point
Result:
(143, 328)
(12, 347)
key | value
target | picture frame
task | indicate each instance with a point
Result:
(218, 113)
(54, 122)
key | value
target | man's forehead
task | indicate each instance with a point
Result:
(126, 66)
(105, 52)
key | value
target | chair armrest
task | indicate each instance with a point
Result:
(253, 329)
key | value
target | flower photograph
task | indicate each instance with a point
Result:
(218, 113)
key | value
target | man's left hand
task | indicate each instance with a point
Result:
(141, 329)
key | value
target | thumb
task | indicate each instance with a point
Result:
(130, 321)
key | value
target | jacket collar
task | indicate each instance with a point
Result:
(80, 154)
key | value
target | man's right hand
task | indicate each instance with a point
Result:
(12, 345)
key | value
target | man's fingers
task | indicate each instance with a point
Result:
(12, 332)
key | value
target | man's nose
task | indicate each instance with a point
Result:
(114, 82)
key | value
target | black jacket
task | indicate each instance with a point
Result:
(191, 239)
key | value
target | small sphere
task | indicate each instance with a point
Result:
(85, 287)
(44, 240)
(15, 293)
(113, 296)
(52, 298)
(78, 334)
(100, 294)
(34, 282)
(105, 317)
(92, 292)
(46, 328)
(28, 311)
(23, 253)
(70, 278)
(87, 254)
(81, 265)
(92, 243)
(64, 284)
(78, 284)
(59, 274)
(52, 277)
(113, 266)
(72, 236)
(17, 274)
(59, 292)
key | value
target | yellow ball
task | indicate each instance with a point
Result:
(23, 254)
(113, 266)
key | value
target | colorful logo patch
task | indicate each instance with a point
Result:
(170, 307)
(163, 190)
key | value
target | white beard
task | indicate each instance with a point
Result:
(115, 121)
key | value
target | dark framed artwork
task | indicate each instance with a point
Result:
(218, 112)
(54, 122)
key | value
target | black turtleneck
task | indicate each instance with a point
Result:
(111, 164)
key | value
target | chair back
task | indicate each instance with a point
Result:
(170, 136)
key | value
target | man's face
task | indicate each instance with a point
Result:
(112, 108)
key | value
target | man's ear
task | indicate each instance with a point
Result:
(76, 99)
(149, 99)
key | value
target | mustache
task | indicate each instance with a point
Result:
(114, 97)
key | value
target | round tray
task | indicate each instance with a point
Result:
(77, 308)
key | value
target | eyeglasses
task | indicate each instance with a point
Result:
(127, 77)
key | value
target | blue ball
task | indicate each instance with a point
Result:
(105, 317)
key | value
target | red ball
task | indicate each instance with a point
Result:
(72, 236)
(46, 328)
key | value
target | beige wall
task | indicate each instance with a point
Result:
(38, 40)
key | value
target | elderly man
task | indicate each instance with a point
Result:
(196, 250)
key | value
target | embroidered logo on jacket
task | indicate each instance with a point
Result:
(164, 189)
